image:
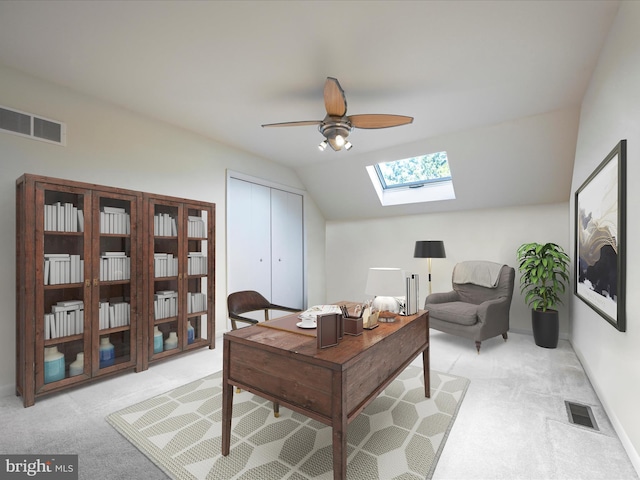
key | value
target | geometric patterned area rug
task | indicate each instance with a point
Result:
(400, 435)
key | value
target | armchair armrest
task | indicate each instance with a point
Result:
(497, 310)
(238, 318)
(443, 297)
(280, 307)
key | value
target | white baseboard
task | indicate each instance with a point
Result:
(561, 336)
(6, 390)
(617, 425)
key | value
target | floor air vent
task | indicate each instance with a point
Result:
(581, 415)
(32, 126)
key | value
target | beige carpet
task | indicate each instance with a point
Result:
(400, 435)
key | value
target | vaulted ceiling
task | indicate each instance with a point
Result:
(498, 84)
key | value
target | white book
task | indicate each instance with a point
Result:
(60, 216)
(114, 254)
(68, 208)
(47, 326)
(80, 220)
(66, 303)
(74, 268)
(66, 269)
(79, 276)
(52, 327)
(74, 219)
(54, 278)
(67, 308)
(46, 272)
(47, 218)
(80, 322)
(113, 210)
(70, 323)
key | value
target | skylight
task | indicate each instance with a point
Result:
(424, 178)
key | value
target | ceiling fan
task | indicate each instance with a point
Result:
(337, 125)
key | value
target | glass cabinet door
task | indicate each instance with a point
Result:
(62, 293)
(165, 335)
(197, 277)
(114, 282)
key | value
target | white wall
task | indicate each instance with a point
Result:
(495, 235)
(111, 146)
(611, 112)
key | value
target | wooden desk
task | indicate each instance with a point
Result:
(331, 385)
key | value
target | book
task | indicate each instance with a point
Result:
(106, 209)
(80, 220)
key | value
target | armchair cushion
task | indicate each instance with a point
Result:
(455, 312)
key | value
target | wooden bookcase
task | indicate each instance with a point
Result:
(178, 280)
(81, 278)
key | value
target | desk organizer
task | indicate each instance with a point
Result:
(352, 326)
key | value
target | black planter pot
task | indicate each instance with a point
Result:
(546, 327)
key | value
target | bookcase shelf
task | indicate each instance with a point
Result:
(59, 340)
(85, 274)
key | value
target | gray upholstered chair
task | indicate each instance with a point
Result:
(478, 306)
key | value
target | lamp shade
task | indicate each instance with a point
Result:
(386, 282)
(429, 249)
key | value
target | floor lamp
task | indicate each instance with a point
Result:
(429, 249)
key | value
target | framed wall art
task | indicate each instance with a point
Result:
(600, 216)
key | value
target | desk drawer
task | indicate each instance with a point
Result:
(282, 377)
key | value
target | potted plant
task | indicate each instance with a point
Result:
(543, 275)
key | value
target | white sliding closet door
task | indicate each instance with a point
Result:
(286, 249)
(249, 237)
(265, 242)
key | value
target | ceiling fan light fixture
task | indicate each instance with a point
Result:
(334, 144)
(336, 133)
(337, 125)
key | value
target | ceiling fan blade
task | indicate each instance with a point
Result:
(379, 120)
(293, 124)
(334, 99)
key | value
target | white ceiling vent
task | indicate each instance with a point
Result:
(32, 126)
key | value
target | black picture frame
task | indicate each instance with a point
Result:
(600, 238)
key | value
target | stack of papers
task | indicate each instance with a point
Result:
(316, 310)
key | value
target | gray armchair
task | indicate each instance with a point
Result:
(478, 306)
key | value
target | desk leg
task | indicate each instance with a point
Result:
(227, 402)
(427, 373)
(339, 425)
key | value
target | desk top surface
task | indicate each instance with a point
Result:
(290, 342)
